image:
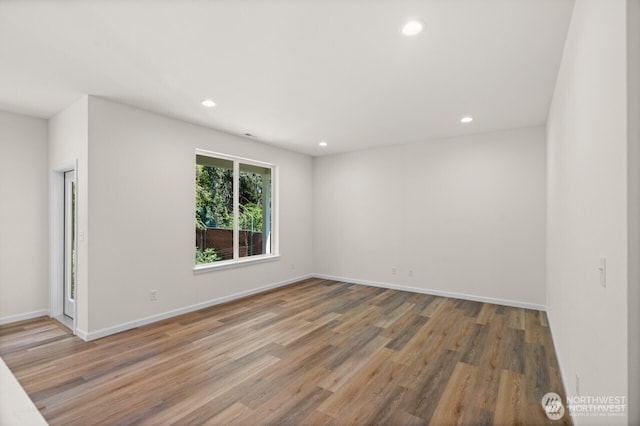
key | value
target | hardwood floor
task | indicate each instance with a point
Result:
(316, 352)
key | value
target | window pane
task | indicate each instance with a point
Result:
(254, 214)
(214, 209)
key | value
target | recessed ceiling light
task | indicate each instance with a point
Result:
(466, 119)
(412, 28)
(208, 103)
(322, 144)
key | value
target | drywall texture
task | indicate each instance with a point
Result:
(464, 215)
(24, 223)
(587, 204)
(142, 192)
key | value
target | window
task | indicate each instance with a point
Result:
(234, 210)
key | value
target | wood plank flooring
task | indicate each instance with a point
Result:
(315, 352)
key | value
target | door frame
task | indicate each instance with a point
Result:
(70, 195)
(57, 209)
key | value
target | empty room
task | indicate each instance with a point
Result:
(297, 212)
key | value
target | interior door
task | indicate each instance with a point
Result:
(69, 243)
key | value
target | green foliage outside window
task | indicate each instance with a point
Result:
(207, 255)
(214, 199)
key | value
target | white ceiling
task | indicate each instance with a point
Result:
(292, 72)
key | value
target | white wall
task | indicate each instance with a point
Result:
(633, 114)
(24, 222)
(466, 215)
(587, 204)
(68, 146)
(141, 204)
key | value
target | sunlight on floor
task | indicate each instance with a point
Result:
(15, 406)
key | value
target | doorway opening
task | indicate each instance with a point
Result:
(64, 245)
(69, 291)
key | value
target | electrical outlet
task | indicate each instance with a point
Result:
(293, 266)
(577, 384)
(394, 270)
(153, 295)
(410, 273)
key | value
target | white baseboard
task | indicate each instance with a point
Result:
(22, 317)
(87, 336)
(159, 317)
(475, 298)
(82, 334)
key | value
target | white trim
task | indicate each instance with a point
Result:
(228, 264)
(274, 221)
(22, 317)
(77, 240)
(56, 238)
(82, 334)
(275, 210)
(236, 211)
(159, 317)
(88, 336)
(68, 306)
(474, 298)
(228, 157)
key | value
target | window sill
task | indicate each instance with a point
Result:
(228, 264)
